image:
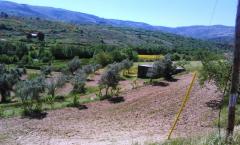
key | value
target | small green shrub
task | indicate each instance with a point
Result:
(76, 100)
(103, 58)
(50, 100)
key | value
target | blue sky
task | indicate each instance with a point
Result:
(156, 12)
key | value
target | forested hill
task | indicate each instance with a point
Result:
(15, 28)
(218, 33)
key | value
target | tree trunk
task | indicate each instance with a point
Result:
(53, 94)
(106, 91)
(4, 96)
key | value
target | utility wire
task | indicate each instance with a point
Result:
(213, 12)
(226, 86)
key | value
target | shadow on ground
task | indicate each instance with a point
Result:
(79, 106)
(162, 84)
(115, 100)
(172, 80)
(214, 104)
(35, 115)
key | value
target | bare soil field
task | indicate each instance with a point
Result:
(145, 115)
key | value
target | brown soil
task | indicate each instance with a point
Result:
(146, 115)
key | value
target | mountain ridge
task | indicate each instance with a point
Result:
(213, 32)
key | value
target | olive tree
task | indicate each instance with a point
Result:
(74, 64)
(8, 78)
(103, 58)
(156, 70)
(111, 77)
(127, 64)
(217, 71)
(52, 84)
(79, 81)
(183, 63)
(169, 68)
(88, 69)
(96, 67)
(29, 92)
(116, 67)
(46, 70)
(163, 68)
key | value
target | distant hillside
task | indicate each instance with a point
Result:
(217, 33)
(64, 15)
(15, 28)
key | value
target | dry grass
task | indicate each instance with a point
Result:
(150, 57)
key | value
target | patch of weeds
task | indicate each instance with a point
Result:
(152, 143)
(104, 97)
(75, 101)
(50, 100)
(1, 112)
(224, 114)
(3, 137)
(212, 139)
(90, 90)
(32, 76)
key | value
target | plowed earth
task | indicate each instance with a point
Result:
(146, 115)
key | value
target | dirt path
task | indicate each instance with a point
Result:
(146, 115)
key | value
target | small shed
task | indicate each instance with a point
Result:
(143, 70)
(38, 35)
(179, 69)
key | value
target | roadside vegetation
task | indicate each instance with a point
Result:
(210, 71)
(211, 139)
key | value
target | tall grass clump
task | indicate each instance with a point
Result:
(212, 139)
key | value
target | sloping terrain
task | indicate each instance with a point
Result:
(217, 33)
(15, 29)
(146, 115)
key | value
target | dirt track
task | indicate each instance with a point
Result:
(146, 115)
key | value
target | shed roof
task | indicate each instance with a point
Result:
(146, 65)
